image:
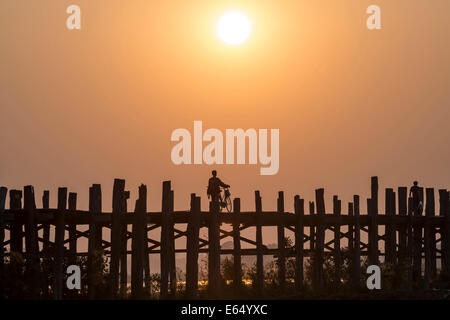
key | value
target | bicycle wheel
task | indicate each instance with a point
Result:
(228, 204)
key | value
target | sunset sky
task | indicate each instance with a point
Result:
(86, 106)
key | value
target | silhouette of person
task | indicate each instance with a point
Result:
(415, 194)
(214, 185)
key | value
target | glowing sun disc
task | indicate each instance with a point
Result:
(233, 28)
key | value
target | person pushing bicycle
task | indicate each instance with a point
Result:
(214, 185)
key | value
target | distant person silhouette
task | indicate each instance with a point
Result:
(414, 192)
(214, 185)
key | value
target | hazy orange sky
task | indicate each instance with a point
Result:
(87, 106)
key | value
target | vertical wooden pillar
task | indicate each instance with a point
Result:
(444, 211)
(351, 228)
(281, 241)
(390, 237)
(373, 232)
(374, 193)
(337, 241)
(172, 264)
(124, 249)
(164, 260)
(318, 262)
(192, 248)
(137, 244)
(356, 276)
(3, 193)
(410, 245)
(259, 245)
(15, 203)
(72, 229)
(145, 253)
(417, 235)
(95, 254)
(214, 250)
(59, 244)
(402, 228)
(299, 208)
(428, 240)
(31, 243)
(312, 236)
(237, 269)
(116, 230)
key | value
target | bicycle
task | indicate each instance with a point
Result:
(226, 201)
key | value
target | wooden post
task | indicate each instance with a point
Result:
(445, 233)
(390, 237)
(428, 240)
(31, 242)
(374, 194)
(145, 254)
(237, 269)
(94, 240)
(137, 244)
(320, 204)
(373, 232)
(337, 242)
(3, 193)
(214, 250)
(15, 203)
(311, 228)
(59, 244)
(299, 208)
(410, 245)
(72, 230)
(116, 230)
(417, 236)
(402, 228)
(281, 241)
(164, 289)
(124, 250)
(46, 246)
(357, 245)
(172, 261)
(351, 228)
(259, 245)
(192, 248)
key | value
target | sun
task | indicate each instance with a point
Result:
(233, 28)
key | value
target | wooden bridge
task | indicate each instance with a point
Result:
(410, 237)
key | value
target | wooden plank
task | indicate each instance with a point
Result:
(46, 247)
(374, 194)
(164, 260)
(259, 245)
(318, 261)
(31, 243)
(281, 241)
(192, 248)
(356, 268)
(15, 203)
(145, 254)
(72, 229)
(299, 208)
(237, 270)
(428, 233)
(337, 242)
(3, 193)
(59, 244)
